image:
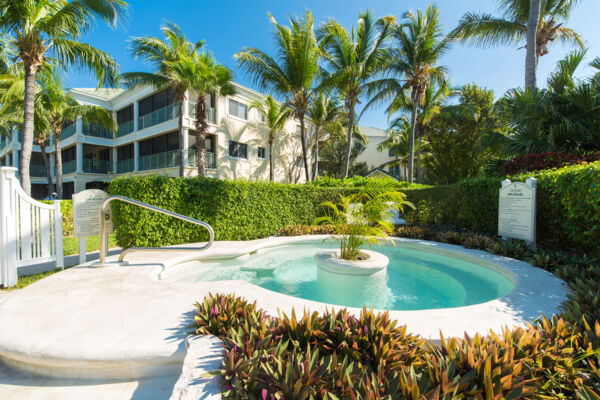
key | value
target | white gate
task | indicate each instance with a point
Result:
(30, 231)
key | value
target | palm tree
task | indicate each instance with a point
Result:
(291, 72)
(44, 29)
(324, 110)
(164, 55)
(511, 27)
(412, 65)
(62, 109)
(530, 58)
(274, 117)
(353, 60)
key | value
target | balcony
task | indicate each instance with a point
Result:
(170, 159)
(37, 171)
(210, 159)
(125, 128)
(97, 130)
(97, 166)
(124, 166)
(159, 116)
(210, 113)
(69, 167)
(67, 131)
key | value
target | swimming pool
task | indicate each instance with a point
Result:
(417, 277)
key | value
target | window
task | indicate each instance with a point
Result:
(125, 115)
(238, 109)
(392, 152)
(238, 150)
(395, 171)
(156, 101)
(261, 152)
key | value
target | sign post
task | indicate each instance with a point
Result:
(86, 208)
(517, 210)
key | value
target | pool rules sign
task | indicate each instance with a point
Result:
(516, 210)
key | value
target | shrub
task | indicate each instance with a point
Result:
(357, 181)
(568, 206)
(66, 208)
(237, 210)
(540, 161)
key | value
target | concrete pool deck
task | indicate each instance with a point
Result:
(122, 322)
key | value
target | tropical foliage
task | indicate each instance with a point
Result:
(365, 217)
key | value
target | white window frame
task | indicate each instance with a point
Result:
(257, 150)
(229, 100)
(248, 151)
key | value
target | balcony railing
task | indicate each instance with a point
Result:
(210, 112)
(125, 128)
(161, 115)
(124, 166)
(67, 131)
(170, 159)
(37, 171)
(97, 130)
(69, 167)
(97, 166)
(210, 159)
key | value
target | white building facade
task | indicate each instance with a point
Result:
(375, 158)
(147, 141)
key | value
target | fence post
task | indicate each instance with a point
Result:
(8, 230)
(60, 261)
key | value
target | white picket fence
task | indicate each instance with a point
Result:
(31, 232)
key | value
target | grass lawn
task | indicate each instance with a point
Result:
(70, 247)
(71, 244)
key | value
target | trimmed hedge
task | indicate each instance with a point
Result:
(568, 206)
(237, 210)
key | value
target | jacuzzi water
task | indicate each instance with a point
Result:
(415, 279)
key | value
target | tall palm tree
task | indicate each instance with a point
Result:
(291, 72)
(62, 109)
(510, 27)
(530, 58)
(324, 110)
(274, 117)
(354, 60)
(412, 64)
(44, 29)
(164, 55)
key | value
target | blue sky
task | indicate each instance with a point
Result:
(229, 25)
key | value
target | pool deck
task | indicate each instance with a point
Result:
(122, 322)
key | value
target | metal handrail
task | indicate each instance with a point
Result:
(103, 236)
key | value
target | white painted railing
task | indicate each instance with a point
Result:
(30, 231)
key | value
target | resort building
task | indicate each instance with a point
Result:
(376, 159)
(147, 141)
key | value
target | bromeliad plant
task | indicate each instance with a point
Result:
(364, 218)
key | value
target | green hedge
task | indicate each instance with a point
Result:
(237, 210)
(568, 206)
(66, 209)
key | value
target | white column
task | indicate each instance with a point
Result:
(15, 134)
(79, 157)
(186, 145)
(52, 164)
(8, 235)
(15, 158)
(136, 114)
(136, 156)
(114, 159)
(186, 105)
(78, 126)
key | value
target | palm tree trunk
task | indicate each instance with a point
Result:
(28, 127)
(59, 171)
(530, 58)
(47, 167)
(303, 140)
(349, 138)
(419, 157)
(316, 151)
(411, 142)
(271, 177)
(201, 128)
(182, 149)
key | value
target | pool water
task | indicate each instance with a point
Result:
(414, 280)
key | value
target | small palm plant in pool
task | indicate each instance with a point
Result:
(363, 219)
